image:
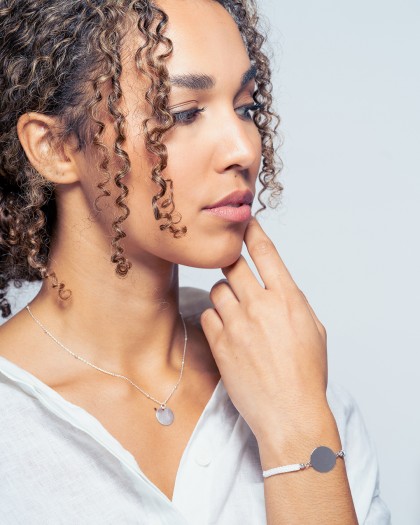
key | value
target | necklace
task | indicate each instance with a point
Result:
(164, 415)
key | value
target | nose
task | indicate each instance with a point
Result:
(238, 145)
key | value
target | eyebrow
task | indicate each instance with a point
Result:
(199, 81)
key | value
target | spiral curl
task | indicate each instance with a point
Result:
(62, 58)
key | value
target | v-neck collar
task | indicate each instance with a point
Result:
(86, 422)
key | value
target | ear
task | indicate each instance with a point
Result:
(54, 160)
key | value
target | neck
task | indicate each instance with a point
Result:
(122, 323)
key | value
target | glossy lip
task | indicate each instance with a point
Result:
(240, 213)
(236, 197)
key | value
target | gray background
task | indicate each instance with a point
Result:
(347, 85)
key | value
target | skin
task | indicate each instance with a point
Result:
(259, 339)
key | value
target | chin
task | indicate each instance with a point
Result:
(203, 249)
(212, 259)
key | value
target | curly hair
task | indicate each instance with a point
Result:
(63, 58)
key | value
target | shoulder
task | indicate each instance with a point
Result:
(14, 389)
(18, 407)
(193, 302)
(23, 344)
(11, 333)
(18, 338)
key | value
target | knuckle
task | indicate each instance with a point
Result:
(218, 292)
(293, 291)
(298, 290)
(220, 283)
(218, 288)
(254, 309)
(263, 247)
(206, 314)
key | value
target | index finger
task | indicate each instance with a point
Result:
(266, 258)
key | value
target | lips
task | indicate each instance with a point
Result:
(234, 199)
(235, 207)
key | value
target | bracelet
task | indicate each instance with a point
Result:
(322, 459)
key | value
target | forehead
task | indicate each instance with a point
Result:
(205, 38)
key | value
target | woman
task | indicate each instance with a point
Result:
(131, 142)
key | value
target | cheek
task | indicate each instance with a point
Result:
(189, 168)
(195, 167)
(210, 242)
(257, 143)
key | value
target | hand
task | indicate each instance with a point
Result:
(268, 344)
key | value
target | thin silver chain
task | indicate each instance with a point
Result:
(162, 405)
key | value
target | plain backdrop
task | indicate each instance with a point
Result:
(347, 86)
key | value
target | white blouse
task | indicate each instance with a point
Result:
(60, 466)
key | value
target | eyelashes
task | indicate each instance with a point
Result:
(249, 110)
(189, 116)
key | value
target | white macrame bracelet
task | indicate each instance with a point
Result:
(322, 459)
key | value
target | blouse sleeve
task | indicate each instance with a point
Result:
(361, 458)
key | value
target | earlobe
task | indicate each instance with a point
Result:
(52, 159)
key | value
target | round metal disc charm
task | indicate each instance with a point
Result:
(323, 459)
(165, 416)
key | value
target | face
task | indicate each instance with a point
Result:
(214, 149)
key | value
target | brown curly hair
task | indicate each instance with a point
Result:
(62, 58)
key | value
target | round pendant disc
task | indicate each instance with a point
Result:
(165, 416)
(323, 459)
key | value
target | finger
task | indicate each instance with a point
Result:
(241, 279)
(319, 325)
(224, 300)
(266, 258)
(212, 325)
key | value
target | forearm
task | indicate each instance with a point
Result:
(306, 497)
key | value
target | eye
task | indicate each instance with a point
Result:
(247, 112)
(188, 116)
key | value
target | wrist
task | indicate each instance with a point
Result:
(292, 441)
